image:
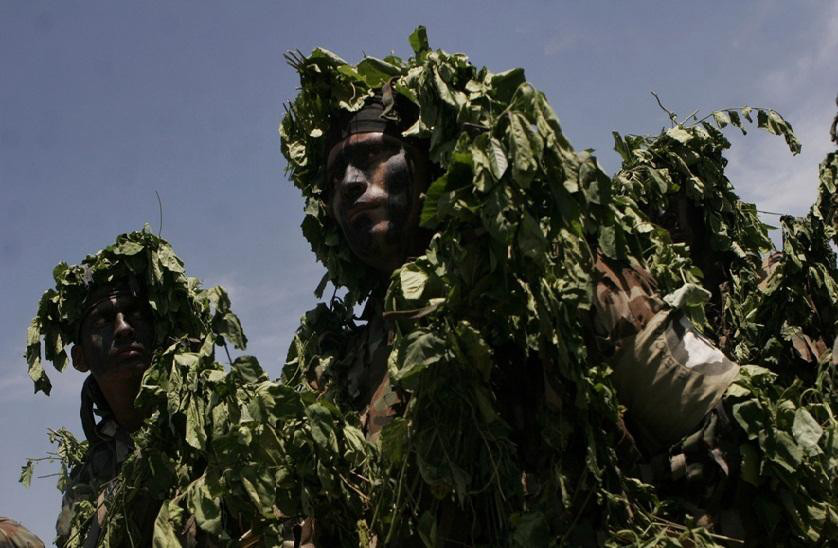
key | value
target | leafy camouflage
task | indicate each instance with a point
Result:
(226, 453)
(502, 298)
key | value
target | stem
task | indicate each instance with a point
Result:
(672, 116)
(160, 206)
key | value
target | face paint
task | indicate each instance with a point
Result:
(375, 197)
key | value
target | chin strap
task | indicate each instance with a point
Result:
(92, 403)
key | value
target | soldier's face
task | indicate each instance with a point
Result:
(117, 335)
(376, 182)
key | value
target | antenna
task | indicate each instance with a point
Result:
(160, 209)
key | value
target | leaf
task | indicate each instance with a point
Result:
(497, 158)
(722, 119)
(687, 296)
(782, 449)
(505, 84)
(394, 441)
(531, 239)
(620, 146)
(205, 507)
(807, 432)
(248, 370)
(523, 159)
(195, 434)
(607, 241)
(322, 431)
(412, 280)
(165, 525)
(422, 350)
(750, 464)
(750, 417)
(376, 72)
(429, 217)
(531, 529)
(26, 473)
(679, 134)
(419, 40)
(477, 352)
(746, 112)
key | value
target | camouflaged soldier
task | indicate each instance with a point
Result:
(375, 180)
(103, 306)
(15, 535)
(114, 345)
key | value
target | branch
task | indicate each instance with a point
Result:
(672, 115)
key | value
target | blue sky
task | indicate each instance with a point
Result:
(102, 103)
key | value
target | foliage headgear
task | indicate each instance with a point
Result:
(179, 307)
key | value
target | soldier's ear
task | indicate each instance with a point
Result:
(79, 363)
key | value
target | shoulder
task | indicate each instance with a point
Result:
(625, 298)
(15, 535)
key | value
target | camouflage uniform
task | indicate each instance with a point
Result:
(673, 383)
(109, 446)
(15, 535)
(93, 480)
(671, 379)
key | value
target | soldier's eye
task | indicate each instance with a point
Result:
(100, 320)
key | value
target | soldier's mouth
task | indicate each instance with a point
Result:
(129, 353)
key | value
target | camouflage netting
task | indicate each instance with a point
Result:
(503, 294)
(501, 297)
(219, 441)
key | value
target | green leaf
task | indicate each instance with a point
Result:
(248, 370)
(807, 432)
(607, 241)
(419, 40)
(322, 430)
(26, 473)
(750, 464)
(205, 507)
(166, 525)
(430, 208)
(376, 72)
(413, 280)
(679, 134)
(746, 112)
(394, 441)
(721, 117)
(422, 350)
(477, 352)
(531, 529)
(750, 417)
(497, 158)
(505, 84)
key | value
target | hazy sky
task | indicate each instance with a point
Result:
(102, 103)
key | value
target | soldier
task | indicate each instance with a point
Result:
(15, 535)
(119, 308)
(365, 171)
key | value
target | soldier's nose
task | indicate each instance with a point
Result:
(354, 184)
(122, 328)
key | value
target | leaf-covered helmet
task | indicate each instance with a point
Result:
(140, 259)
(433, 96)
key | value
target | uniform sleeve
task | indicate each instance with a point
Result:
(666, 373)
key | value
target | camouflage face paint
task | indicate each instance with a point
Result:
(374, 198)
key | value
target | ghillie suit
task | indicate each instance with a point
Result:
(502, 302)
(205, 465)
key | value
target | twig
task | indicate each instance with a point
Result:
(672, 116)
(226, 351)
(160, 206)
